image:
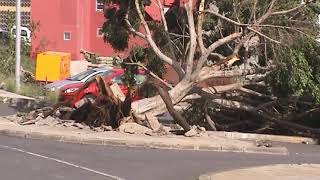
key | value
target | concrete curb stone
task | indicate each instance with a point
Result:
(251, 136)
(274, 171)
(266, 150)
(143, 144)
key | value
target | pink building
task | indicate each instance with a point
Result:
(70, 26)
(73, 25)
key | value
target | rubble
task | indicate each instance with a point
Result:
(153, 122)
(48, 121)
(263, 143)
(2, 85)
(134, 128)
(196, 131)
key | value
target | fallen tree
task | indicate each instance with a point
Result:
(216, 33)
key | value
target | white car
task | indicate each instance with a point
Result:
(25, 34)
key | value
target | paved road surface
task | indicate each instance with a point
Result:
(5, 110)
(38, 160)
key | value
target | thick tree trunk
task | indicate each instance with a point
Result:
(155, 105)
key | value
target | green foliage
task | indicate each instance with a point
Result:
(300, 73)
(298, 76)
(7, 52)
(31, 90)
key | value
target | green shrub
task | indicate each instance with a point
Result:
(300, 73)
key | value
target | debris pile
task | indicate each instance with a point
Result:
(196, 131)
(111, 110)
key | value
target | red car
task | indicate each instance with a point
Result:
(70, 92)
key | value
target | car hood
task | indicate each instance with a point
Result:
(59, 84)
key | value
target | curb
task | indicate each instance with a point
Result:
(267, 137)
(272, 171)
(141, 144)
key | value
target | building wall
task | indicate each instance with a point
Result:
(79, 17)
(54, 17)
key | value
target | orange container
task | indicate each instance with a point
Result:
(52, 66)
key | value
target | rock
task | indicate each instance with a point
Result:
(150, 133)
(68, 124)
(98, 129)
(196, 131)
(201, 129)
(106, 128)
(14, 118)
(153, 122)
(78, 125)
(163, 130)
(126, 120)
(2, 85)
(57, 113)
(6, 100)
(263, 143)
(41, 115)
(49, 121)
(134, 128)
(191, 133)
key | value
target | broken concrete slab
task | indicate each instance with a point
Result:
(153, 122)
(48, 121)
(134, 128)
(196, 131)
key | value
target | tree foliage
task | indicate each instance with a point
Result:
(220, 41)
(7, 50)
(299, 74)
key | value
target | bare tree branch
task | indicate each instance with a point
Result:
(249, 91)
(224, 17)
(263, 35)
(220, 56)
(213, 46)
(130, 27)
(154, 46)
(199, 26)
(193, 37)
(289, 10)
(151, 74)
(164, 21)
(208, 72)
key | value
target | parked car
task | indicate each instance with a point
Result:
(76, 79)
(25, 34)
(70, 92)
(4, 36)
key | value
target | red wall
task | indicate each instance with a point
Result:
(76, 16)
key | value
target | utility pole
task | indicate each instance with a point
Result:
(18, 44)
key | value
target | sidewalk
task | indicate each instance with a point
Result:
(86, 136)
(6, 94)
(273, 172)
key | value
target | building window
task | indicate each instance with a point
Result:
(99, 32)
(67, 36)
(99, 5)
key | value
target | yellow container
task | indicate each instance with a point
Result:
(52, 66)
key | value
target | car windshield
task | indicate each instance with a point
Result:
(81, 76)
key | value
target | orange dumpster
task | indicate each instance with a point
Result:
(52, 66)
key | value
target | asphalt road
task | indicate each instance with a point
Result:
(5, 110)
(39, 160)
